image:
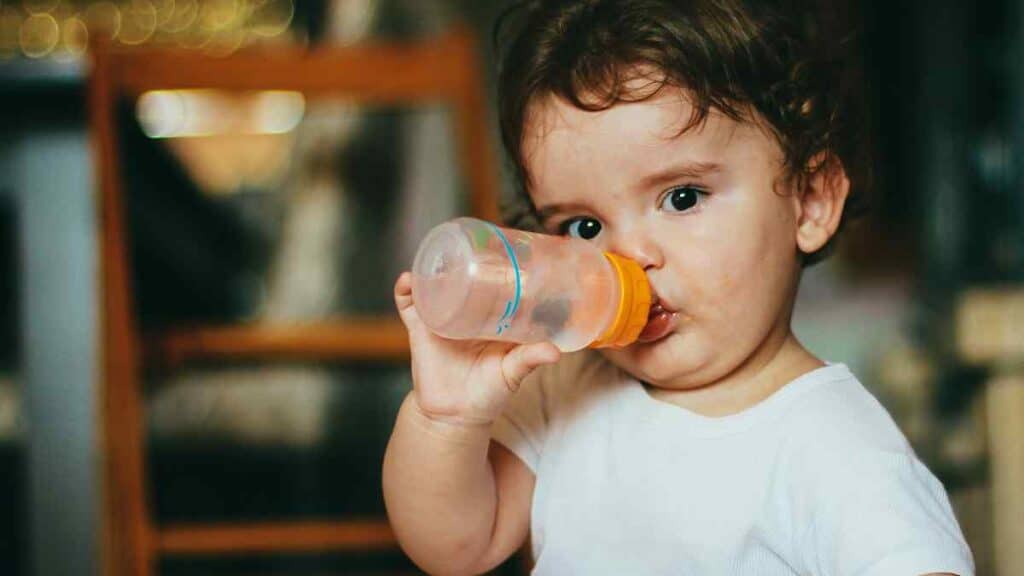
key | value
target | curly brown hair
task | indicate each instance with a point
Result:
(779, 62)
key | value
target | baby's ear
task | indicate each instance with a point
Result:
(821, 201)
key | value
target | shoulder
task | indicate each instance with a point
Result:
(860, 494)
(841, 416)
(840, 444)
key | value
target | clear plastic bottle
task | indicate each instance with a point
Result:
(474, 280)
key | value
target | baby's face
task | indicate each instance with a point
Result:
(706, 212)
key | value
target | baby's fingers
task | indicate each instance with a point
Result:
(404, 302)
(522, 360)
(403, 291)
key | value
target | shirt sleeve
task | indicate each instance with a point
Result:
(879, 513)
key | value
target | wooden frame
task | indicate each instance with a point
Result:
(443, 69)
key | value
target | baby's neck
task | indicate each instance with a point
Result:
(749, 384)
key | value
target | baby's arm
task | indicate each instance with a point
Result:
(459, 504)
(442, 484)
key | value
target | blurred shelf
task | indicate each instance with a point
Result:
(363, 339)
(359, 535)
(381, 71)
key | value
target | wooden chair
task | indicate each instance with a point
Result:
(439, 70)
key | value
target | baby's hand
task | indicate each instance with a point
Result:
(464, 381)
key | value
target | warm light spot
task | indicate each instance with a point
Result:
(197, 113)
(226, 42)
(272, 18)
(183, 14)
(74, 36)
(63, 28)
(103, 18)
(39, 35)
(161, 113)
(138, 22)
(164, 11)
(216, 15)
(277, 112)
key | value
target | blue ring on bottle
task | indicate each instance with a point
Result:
(512, 305)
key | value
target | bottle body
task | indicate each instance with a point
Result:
(474, 280)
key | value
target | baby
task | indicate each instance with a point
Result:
(716, 143)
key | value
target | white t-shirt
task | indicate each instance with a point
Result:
(816, 479)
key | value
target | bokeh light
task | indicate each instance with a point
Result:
(103, 19)
(74, 36)
(57, 28)
(139, 22)
(203, 113)
(39, 35)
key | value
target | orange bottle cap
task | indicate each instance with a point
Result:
(634, 304)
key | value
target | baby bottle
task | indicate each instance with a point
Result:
(474, 280)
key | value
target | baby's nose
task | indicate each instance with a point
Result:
(640, 248)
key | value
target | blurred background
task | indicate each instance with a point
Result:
(267, 208)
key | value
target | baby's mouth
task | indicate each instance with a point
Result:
(661, 321)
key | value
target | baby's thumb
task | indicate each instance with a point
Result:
(521, 360)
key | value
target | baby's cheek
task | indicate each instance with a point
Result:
(722, 275)
(724, 272)
(742, 290)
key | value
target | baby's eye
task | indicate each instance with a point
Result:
(585, 228)
(682, 198)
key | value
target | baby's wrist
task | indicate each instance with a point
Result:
(450, 428)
